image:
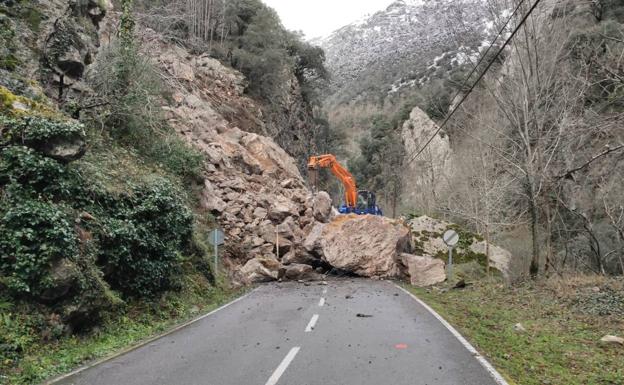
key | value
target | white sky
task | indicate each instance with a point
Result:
(318, 18)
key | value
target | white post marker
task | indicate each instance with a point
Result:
(451, 239)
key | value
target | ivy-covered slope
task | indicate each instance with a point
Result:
(99, 218)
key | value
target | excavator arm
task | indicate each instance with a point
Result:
(329, 161)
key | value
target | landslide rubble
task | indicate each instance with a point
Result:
(275, 228)
(251, 185)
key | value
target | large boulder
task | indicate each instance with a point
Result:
(300, 272)
(312, 243)
(366, 245)
(260, 269)
(322, 207)
(424, 271)
(65, 149)
(427, 240)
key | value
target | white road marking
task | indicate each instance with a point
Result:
(277, 374)
(322, 301)
(324, 290)
(490, 369)
(312, 323)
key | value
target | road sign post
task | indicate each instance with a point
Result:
(451, 239)
(217, 238)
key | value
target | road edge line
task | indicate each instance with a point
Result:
(500, 380)
(144, 343)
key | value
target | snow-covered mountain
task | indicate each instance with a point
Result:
(408, 43)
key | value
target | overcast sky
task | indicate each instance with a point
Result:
(321, 17)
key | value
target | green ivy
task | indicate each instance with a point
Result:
(33, 235)
(35, 130)
(140, 245)
(32, 172)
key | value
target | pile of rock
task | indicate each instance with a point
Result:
(275, 228)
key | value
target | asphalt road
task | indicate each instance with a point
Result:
(292, 334)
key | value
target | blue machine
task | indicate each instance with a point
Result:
(366, 205)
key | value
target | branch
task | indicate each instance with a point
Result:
(569, 173)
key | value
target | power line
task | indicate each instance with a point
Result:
(489, 66)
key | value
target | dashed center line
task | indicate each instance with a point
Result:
(324, 290)
(322, 301)
(277, 374)
(312, 323)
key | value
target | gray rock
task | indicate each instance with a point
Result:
(65, 150)
(366, 245)
(64, 276)
(298, 272)
(424, 271)
(260, 269)
(519, 328)
(612, 340)
(322, 207)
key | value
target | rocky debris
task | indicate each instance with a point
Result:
(300, 272)
(612, 340)
(366, 245)
(322, 207)
(260, 269)
(424, 271)
(427, 239)
(251, 185)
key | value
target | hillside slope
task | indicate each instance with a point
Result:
(405, 45)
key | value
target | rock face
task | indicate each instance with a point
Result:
(424, 271)
(427, 239)
(369, 246)
(429, 172)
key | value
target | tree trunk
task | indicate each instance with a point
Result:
(533, 208)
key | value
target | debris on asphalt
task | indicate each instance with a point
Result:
(360, 315)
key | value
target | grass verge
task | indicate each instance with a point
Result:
(564, 319)
(141, 321)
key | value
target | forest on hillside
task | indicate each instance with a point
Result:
(536, 151)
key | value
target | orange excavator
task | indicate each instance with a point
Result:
(357, 202)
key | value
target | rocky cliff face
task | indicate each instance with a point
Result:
(406, 45)
(425, 176)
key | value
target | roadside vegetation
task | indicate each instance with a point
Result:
(102, 239)
(541, 332)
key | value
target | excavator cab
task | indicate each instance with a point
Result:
(367, 203)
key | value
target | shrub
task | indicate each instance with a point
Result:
(178, 157)
(140, 245)
(33, 234)
(30, 171)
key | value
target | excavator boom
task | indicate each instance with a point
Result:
(330, 162)
(358, 202)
